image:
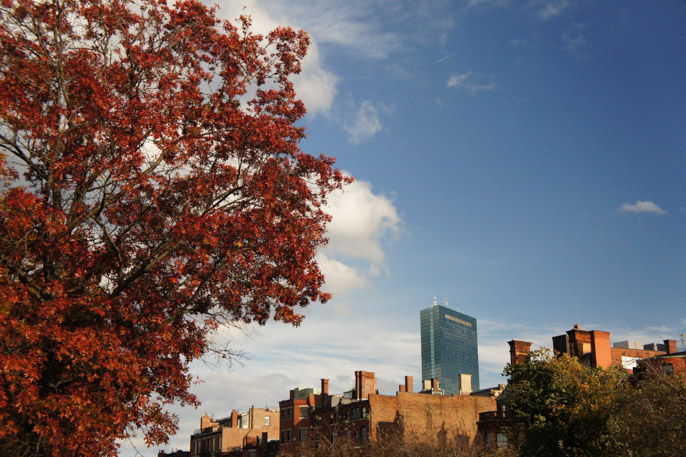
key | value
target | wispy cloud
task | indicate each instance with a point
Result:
(472, 84)
(641, 207)
(491, 3)
(365, 122)
(548, 9)
(446, 57)
(574, 40)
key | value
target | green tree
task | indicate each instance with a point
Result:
(650, 418)
(562, 407)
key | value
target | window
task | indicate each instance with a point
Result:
(287, 413)
(364, 411)
(488, 440)
(285, 436)
(347, 435)
(252, 453)
(304, 412)
(501, 440)
(356, 413)
(347, 414)
(303, 435)
(267, 420)
(363, 434)
(668, 368)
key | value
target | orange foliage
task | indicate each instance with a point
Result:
(156, 189)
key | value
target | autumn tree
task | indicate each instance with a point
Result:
(152, 188)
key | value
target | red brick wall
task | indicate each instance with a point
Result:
(617, 354)
(420, 414)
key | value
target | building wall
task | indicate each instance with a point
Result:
(418, 415)
(449, 347)
(229, 433)
(618, 353)
(672, 364)
(296, 415)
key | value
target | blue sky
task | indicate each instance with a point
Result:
(526, 160)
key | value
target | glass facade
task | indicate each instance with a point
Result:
(449, 347)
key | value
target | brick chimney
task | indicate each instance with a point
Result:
(234, 418)
(365, 384)
(205, 421)
(670, 346)
(325, 386)
(409, 384)
(518, 351)
(600, 349)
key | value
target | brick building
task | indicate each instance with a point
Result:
(362, 414)
(593, 348)
(668, 364)
(241, 433)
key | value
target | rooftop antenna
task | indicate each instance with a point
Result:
(445, 301)
(435, 301)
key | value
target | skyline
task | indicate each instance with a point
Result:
(523, 159)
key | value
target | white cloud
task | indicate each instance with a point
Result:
(465, 81)
(360, 222)
(548, 9)
(340, 278)
(641, 207)
(365, 123)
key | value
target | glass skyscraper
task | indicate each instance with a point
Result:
(449, 347)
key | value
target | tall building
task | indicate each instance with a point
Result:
(449, 349)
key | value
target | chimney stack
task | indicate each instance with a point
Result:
(409, 384)
(518, 351)
(365, 384)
